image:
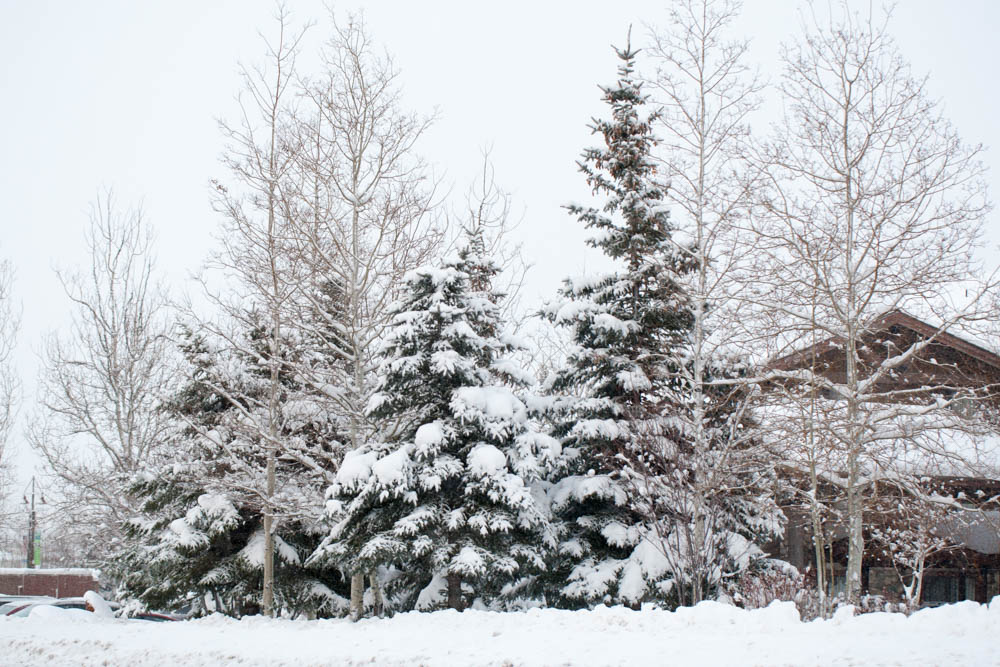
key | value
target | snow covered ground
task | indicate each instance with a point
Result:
(709, 634)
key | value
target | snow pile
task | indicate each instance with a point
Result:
(429, 435)
(356, 467)
(57, 615)
(709, 634)
(391, 468)
(486, 460)
(101, 608)
(253, 553)
(489, 402)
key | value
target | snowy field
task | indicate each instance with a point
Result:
(710, 634)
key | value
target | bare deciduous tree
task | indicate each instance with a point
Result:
(258, 251)
(910, 530)
(10, 384)
(328, 209)
(872, 203)
(98, 421)
(362, 210)
(487, 210)
(704, 92)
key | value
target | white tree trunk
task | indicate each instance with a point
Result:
(357, 596)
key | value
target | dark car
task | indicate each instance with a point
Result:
(153, 616)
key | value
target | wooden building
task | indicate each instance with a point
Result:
(957, 373)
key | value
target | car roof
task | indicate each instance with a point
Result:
(51, 602)
(16, 604)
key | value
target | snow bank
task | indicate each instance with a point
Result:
(709, 634)
(57, 615)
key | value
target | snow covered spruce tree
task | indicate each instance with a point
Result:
(201, 538)
(609, 399)
(449, 504)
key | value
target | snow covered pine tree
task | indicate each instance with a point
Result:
(608, 400)
(201, 538)
(449, 506)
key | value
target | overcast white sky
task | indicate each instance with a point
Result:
(125, 94)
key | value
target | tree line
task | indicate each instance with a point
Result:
(348, 419)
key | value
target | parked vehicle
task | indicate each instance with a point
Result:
(23, 607)
(12, 603)
(153, 616)
(61, 603)
(4, 599)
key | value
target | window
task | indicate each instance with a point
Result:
(939, 589)
(943, 587)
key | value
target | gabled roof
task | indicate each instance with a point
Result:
(882, 323)
(900, 318)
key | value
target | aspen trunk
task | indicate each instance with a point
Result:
(357, 596)
(376, 594)
(268, 593)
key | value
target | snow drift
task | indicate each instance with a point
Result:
(708, 634)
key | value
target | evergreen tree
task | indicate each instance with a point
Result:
(449, 505)
(201, 538)
(611, 404)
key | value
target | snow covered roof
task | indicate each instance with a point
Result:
(51, 571)
(962, 344)
(898, 441)
(979, 531)
(883, 322)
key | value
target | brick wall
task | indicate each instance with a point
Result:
(56, 583)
